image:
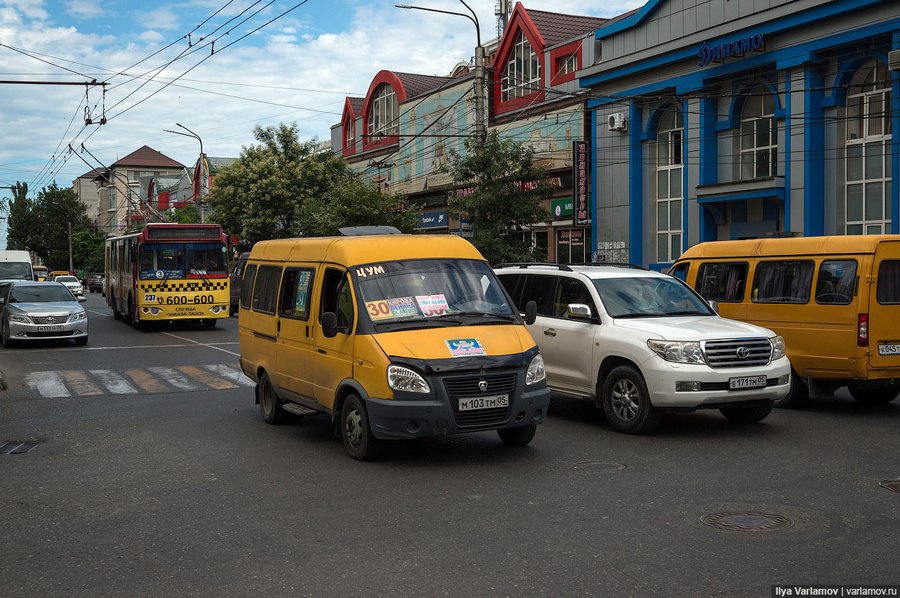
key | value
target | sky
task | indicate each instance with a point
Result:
(217, 67)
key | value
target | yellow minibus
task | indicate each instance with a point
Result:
(834, 299)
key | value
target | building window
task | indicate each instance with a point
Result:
(111, 197)
(351, 134)
(868, 152)
(669, 190)
(383, 112)
(567, 64)
(759, 136)
(522, 74)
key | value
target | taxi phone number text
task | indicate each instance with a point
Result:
(180, 299)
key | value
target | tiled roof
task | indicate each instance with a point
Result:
(416, 85)
(147, 156)
(556, 28)
(356, 104)
(92, 174)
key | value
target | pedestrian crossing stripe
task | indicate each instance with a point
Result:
(150, 380)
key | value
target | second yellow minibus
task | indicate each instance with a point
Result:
(834, 299)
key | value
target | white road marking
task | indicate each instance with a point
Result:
(48, 384)
(210, 345)
(230, 374)
(176, 378)
(113, 382)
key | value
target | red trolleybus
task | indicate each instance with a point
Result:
(168, 272)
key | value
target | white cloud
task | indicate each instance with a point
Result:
(85, 9)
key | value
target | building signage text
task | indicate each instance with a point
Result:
(433, 219)
(734, 49)
(580, 180)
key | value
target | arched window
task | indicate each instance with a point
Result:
(669, 190)
(868, 151)
(350, 141)
(522, 74)
(383, 112)
(759, 136)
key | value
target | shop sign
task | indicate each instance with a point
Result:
(561, 208)
(734, 49)
(433, 219)
(580, 181)
(554, 182)
(465, 229)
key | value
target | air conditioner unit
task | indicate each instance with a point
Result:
(894, 60)
(617, 122)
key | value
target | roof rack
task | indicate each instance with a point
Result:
(613, 264)
(563, 267)
(356, 231)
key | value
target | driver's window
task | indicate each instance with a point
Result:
(337, 298)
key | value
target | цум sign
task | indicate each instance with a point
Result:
(734, 49)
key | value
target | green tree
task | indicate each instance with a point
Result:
(352, 202)
(42, 225)
(87, 250)
(501, 206)
(275, 188)
(189, 214)
(20, 230)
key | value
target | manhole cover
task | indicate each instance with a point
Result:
(746, 522)
(893, 485)
(16, 447)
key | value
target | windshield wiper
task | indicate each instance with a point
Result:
(484, 314)
(687, 312)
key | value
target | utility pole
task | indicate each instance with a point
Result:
(71, 265)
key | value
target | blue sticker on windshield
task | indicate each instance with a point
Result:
(465, 347)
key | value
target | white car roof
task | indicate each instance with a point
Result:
(592, 272)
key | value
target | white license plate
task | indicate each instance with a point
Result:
(746, 382)
(49, 328)
(889, 349)
(491, 402)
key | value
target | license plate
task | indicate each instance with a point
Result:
(49, 328)
(889, 349)
(746, 382)
(491, 402)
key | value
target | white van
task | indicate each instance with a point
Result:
(15, 265)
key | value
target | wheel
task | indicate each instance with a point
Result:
(7, 342)
(517, 436)
(269, 403)
(626, 402)
(355, 431)
(209, 323)
(747, 414)
(797, 396)
(117, 315)
(81, 341)
(874, 396)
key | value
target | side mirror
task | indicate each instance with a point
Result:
(329, 324)
(530, 312)
(579, 311)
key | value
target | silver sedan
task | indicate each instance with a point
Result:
(31, 311)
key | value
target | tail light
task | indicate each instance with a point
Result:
(862, 330)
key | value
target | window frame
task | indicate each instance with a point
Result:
(522, 71)
(286, 286)
(755, 150)
(763, 264)
(669, 164)
(268, 285)
(745, 275)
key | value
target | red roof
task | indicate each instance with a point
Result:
(556, 28)
(149, 157)
(416, 85)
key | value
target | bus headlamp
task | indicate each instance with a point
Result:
(405, 379)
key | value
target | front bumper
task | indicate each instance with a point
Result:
(664, 378)
(20, 331)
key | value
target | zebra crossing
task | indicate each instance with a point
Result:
(133, 381)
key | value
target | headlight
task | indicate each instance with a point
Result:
(77, 317)
(21, 318)
(777, 347)
(401, 378)
(535, 371)
(677, 351)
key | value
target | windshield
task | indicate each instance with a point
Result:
(15, 270)
(39, 293)
(417, 290)
(66, 279)
(182, 260)
(641, 297)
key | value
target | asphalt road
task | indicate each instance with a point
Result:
(179, 488)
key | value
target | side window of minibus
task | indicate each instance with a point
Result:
(265, 291)
(247, 286)
(788, 281)
(835, 282)
(294, 302)
(723, 282)
(337, 298)
(680, 271)
(888, 291)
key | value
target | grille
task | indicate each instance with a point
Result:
(32, 334)
(728, 353)
(468, 387)
(56, 319)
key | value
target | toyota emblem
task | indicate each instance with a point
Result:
(51, 320)
(482, 385)
(743, 352)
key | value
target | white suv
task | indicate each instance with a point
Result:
(637, 341)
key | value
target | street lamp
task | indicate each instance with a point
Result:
(480, 130)
(198, 197)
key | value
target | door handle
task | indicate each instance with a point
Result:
(549, 332)
(322, 351)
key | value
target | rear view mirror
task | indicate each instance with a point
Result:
(329, 324)
(579, 311)
(530, 312)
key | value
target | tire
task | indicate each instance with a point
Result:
(7, 342)
(797, 397)
(117, 315)
(520, 436)
(626, 402)
(209, 323)
(269, 403)
(874, 396)
(358, 439)
(747, 414)
(81, 341)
